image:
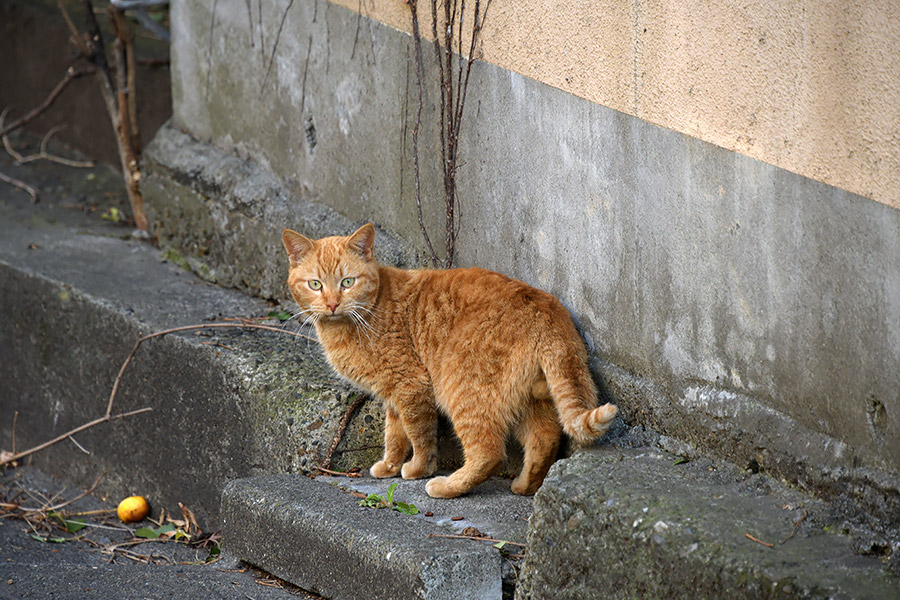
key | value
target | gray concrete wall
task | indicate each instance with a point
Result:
(729, 303)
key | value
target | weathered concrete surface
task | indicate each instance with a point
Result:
(224, 215)
(77, 569)
(318, 537)
(746, 310)
(618, 523)
(75, 297)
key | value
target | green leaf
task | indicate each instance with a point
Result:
(681, 460)
(71, 525)
(74, 525)
(373, 501)
(148, 533)
(281, 315)
(499, 545)
(166, 528)
(406, 509)
(214, 553)
(389, 496)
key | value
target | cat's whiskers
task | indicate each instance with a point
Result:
(312, 317)
(370, 315)
(360, 325)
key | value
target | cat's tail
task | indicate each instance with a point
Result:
(573, 391)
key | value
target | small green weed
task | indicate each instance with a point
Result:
(387, 501)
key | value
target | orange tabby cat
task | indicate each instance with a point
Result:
(490, 352)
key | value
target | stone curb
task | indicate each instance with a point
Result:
(318, 537)
(638, 523)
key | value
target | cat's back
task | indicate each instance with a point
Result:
(476, 294)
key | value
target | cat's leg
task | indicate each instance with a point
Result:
(420, 422)
(539, 433)
(396, 445)
(483, 438)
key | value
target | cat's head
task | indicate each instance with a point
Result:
(335, 277)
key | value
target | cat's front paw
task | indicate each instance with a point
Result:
(383, 469)
(414, 470)
(438, 488)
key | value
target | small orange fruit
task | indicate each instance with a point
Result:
(133, 509)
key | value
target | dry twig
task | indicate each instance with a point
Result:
(476, 537)
(71, 73)
(21, 185)
(8, 457)
(796, 526)
(67, 502)
(339, 473)
(762, 543)
(43, 154)
(342, 427)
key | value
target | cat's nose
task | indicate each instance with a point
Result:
(333, 307)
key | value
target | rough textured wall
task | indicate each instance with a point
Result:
(737, 305)
(812, 87)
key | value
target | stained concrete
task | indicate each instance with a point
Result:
(620, 523)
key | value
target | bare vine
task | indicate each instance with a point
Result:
(453, 75)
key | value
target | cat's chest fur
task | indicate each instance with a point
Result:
(382, 357)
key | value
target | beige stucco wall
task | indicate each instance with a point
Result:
(809, 86)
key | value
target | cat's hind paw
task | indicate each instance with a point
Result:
(383, 469)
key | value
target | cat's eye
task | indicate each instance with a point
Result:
(347, 282)
(314, 284)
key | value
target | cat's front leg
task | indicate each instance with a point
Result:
(411, 420)
(396, 446)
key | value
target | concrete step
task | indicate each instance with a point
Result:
(315, 534)
(76, 293)
(627, 523)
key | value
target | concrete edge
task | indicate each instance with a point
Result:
(316, 536)
(705, 419)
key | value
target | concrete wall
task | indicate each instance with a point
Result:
(812, 87)
(729, 302)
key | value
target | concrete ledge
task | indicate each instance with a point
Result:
(75, 296)
(210, 207)
(632, 523)
(317, 536)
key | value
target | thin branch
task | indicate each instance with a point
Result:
(762, 543)
(67, 502)
(115, 388)
(43, 154)
(476, 537)
(342, 427)
(796, 525)
(338, 473)
(21, 185)
(8, 459)
(123, 113)
(71, 73)
(417, 40)
(77, 445)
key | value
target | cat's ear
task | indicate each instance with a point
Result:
(297, 245)
(363, 241)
